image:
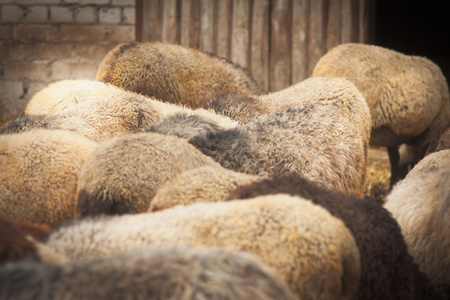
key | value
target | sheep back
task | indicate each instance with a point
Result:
(173, 73)
(123, 174)
(63, 94)
(204, 184)
(311, 141)
(154, 273)
(39, 174)
(387, 269)
(407, 96)
(421, 205)
(311, 250)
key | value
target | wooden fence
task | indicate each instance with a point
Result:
(279, 41)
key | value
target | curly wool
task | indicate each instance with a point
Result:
(39, 174)
(421, 205)
(311, 250)
(314, 142)
(173, 73)
(123, 174)
(408, 96)
(154, 273)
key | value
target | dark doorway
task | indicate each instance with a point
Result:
(416, 27)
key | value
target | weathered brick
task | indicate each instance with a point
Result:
(73, 70)
(82, 33)
(95, 52)
(6, 1)
(129, 15)
(37, 1)
(5, 32)
(11, 89)
(35, 33)
(88, 1)
(123, 3)
(59, 14)
(11, 14)
(36, 14)
(31, 70)
(110, 15)
(12, 103)
(33, 88)
(122, 34)
(52, 51)
(86, 14)
(15, 50)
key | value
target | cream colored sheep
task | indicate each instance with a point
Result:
(112, 114)
(64, 94)
(159, 273)
(173, 73)
(408, 96)
(39, 174)
(204, 184)
(421, 205)
(311, 141)
(124, 173)
(311, 250)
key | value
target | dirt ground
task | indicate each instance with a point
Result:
(378, 174)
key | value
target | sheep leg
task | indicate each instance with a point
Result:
(394, 158)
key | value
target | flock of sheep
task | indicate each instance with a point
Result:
(132, 186)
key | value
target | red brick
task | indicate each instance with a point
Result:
(122, 34)
(82, 33)
(35, 33)
(15, 50)
(30, 70)
(96, 52)
(52, 51)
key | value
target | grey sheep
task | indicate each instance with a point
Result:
(339, 93)
(158, 273)
(123, 174)
(183, 125)
(309, 249)
(173, 73)
(421, 205)
(39, 174)
(408, 96)
(109, 115)
(311, 141)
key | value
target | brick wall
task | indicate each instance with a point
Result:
(42, 41)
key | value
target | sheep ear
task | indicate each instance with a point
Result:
(47, 254)
(102, 202)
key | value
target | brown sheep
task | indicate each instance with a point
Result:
(173, 73)
(421, 205)
(444, 141)
(310, 250)
(39, 174)
(185, 273)
(408, 97)
(124, 173)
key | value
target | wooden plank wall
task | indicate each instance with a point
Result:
(279, 41)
